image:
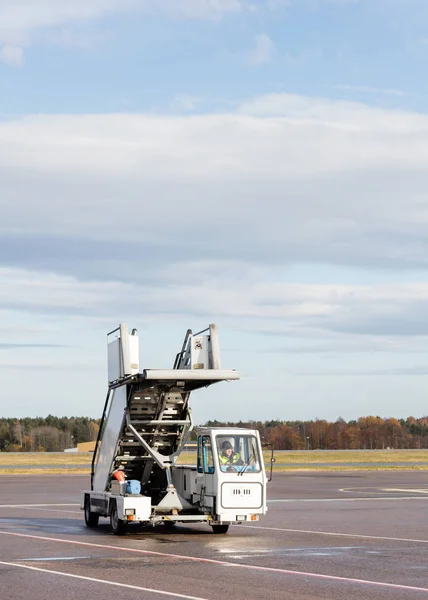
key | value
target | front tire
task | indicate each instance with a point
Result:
(91, 518)
(220, 528)
(118, 526)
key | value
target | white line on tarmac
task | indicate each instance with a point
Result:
(384, 498)
(406, 491)
(51, 510)
(334, 534)
(377, 489)
(38, 507)
(34, 505)
(219, 562)
(105, 581)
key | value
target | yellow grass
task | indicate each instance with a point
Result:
(312, 460)
(45, 458)
(354, 456)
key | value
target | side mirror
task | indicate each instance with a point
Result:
(272, 460)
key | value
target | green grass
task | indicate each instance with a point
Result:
(314, 460)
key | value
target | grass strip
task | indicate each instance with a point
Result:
(286, 461)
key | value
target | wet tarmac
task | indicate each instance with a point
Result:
(326, 536)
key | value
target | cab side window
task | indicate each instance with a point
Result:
(205, 455)
(200, 465)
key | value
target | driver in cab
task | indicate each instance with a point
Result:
(228, 457)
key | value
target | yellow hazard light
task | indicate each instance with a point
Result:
(130, 517)
(254, 517)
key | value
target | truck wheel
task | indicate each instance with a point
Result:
(220, 528)
(91, 518)
(119, 526)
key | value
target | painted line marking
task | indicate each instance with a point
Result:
(105, 581)
(377, 490)
(43, 507)
(334, 534)
(212, 562)
(408, 491)
(385, 498)
(34, 505)
(51, 510)
(50, 558)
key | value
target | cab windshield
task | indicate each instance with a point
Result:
(238, 454)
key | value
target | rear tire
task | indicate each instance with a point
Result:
(91, 518)
(220, 528)
(118, 526)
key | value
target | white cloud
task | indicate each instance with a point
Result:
(225, 292)
(304, 320)
(19, 19)
(326, 318)
(12, 56)
(353, 116)
(263, 51)
(195, 9)
(205, 214)
(273, 140)
(49, 290)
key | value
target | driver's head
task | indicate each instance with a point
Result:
(227, 448)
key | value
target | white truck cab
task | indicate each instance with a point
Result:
(229, 480)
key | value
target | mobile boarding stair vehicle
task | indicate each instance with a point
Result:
(145, 425)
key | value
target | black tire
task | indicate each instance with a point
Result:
(220, 528)
(118, 526)
(91, 518)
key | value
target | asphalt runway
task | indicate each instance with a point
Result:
(326, 536)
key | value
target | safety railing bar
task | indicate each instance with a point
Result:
(114, 330)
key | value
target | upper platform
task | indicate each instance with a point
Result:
(197, 365)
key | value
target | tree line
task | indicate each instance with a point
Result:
(366, 433)
(49, 434)
(55, 434)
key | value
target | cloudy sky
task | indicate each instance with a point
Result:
(260, 164)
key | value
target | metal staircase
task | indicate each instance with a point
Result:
(147, 418)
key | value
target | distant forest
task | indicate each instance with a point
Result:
(54, 434)
(50, 434)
